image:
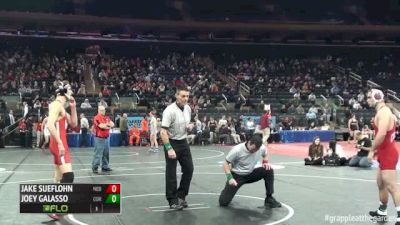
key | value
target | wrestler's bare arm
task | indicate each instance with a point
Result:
(384, 116)
(55, 109)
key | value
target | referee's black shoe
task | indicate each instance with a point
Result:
(183, 202)
(174, 204)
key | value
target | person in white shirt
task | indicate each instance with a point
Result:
(82, 91)
(293, 90)
(11, 118)
(222, 121)
(312, 97)
(250, 127)
(357, 106)
(313, 109)
(86, 104)
(26, 109)
(360, 97)
(84, 130)
(37, 104)
(103, 103)
(296, 95)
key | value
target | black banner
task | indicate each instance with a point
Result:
(70, 198)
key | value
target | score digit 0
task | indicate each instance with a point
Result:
(114, 198)
(113, 189)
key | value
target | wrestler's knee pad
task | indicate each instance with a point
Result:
(67, 177)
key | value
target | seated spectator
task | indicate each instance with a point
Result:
(311, 117)
(134, 135)
(45, 104)
(224, 135)
(250, 127)
(37, 104)
(293, 90)
(352, 125)
(300, 110)
(212, 124)
(81, 90)
(363, 145)
(284, 110)
(326, 126)
(22, 126)
(205, 135)
(286, 123)
(312, 126)
(291, 109)
(222, 121)
(235, 136)
(336, 150)
(312, 97)
(106, 91)
(313, 109)
(85, 104)
(296, 95)
(102, 103)
(360, 96)
(315, 153)
(191, 135)
(357, 106)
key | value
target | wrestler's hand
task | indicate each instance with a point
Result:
(266, 165)
(233, 182)
(72, 102)
(61, 149)
(371, 156)
(171, 154)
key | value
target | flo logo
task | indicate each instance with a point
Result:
(46, 208)
(55, 208)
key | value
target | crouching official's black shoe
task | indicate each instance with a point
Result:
(271, 202)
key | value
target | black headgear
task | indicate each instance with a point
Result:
(62, 89)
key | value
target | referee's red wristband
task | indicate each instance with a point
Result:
(265, 161)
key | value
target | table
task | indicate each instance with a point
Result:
(290, 136)
(74, 139)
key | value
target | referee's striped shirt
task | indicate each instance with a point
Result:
(176, 120)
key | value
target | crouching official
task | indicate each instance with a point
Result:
(247, 163)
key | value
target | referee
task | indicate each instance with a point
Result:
(174, 123)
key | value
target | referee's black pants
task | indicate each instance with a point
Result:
(259, 173)
(184, 157)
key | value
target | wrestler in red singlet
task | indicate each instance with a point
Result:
(387, 152)
(61, 126)
(384, 147)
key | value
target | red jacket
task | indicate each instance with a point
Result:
(99, 132)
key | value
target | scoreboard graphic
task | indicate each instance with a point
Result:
(70, 198)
